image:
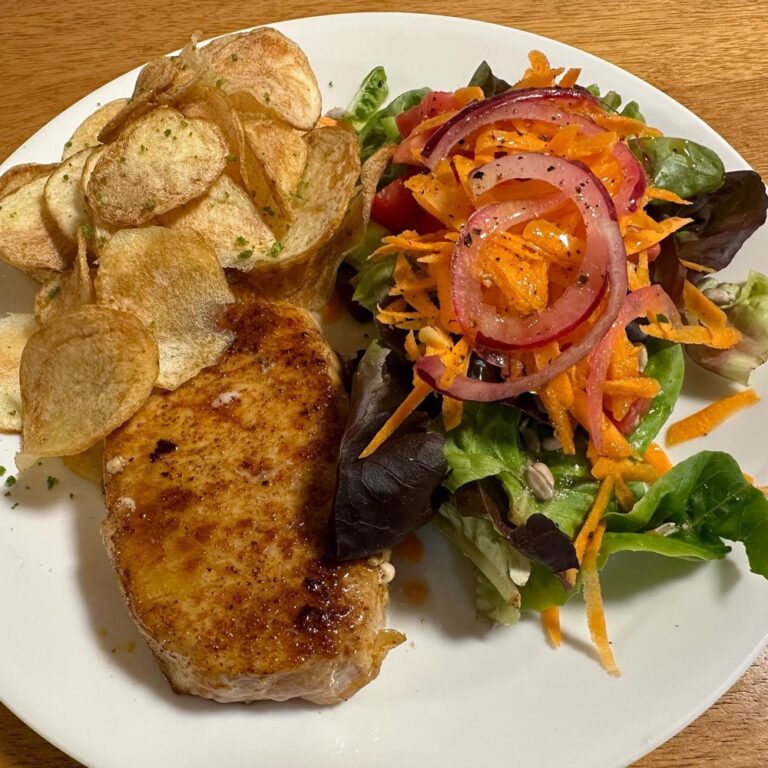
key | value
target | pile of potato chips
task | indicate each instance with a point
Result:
(219, 165)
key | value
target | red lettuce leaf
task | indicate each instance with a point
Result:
(722, 220)
(381, 499)
(539, 538)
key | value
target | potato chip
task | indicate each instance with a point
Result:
(87, 133)
(96, 230)
(321, 274)
(14, 332)
(20, 175)
(82, 376)
(67, 290)
(228, 221)
(326, 189)
(160, 163)
(28, 239)
(174, 283)
(272, 160)
(63, 194)
(162, 81)
(89, 464)
(263, 71)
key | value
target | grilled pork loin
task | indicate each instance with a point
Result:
(218, 496)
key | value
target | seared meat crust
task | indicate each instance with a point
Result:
(218, 497)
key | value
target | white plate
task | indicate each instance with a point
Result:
(456, 694)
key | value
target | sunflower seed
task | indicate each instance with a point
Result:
(540, 480)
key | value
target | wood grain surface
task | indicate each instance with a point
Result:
(711, 56)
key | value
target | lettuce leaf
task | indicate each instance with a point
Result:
(381, 128)
(369, 97)
(612, 101)
(503, 566)
(746, 306)
(700, 501)
(484, 78)
(679, 165)
(666, 364)
(487, 442)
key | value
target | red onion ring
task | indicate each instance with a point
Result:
(636, 304)
(479, 320)
(606, 233)
(548, 105)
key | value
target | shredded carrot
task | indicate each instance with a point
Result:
(657, 458)
(593, 518)
(325, 120)
(568, 80)
(593, 599)
(464, 96)
(656, 193)
(550, 620)
(718, 338)
(624, 494)
(539, 74)
(420, 390)
(702, 308)
(704, 421)
(640, 386)
(697, 267)
(626, 468)
(412, 350)
(749, 478)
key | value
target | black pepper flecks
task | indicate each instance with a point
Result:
(161, 448)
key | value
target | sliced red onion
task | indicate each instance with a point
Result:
(636, 411)
(637, 304)
(431, 369)
(480, 321)
(550, 105)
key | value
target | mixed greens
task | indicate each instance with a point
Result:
(498, 483)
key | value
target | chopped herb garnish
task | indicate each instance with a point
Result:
(51, 481)
(266, 98)
(142, 148)
(240, 241)
(16, 504)
(2, 471)
(10, 481)
(245, 254)
(54, 292)
(150, 205)
(220, 82)
(87, 229)
(274, 251)
(231, 158)
(268, 210)
(330, 83)
(11, 413)
(66, 177)
(167, 132)
(68, 144)
(71, 495)
(233, 57)
(183, 123)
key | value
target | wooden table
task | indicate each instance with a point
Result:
(713, 59)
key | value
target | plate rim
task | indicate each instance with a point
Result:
(704, 704)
